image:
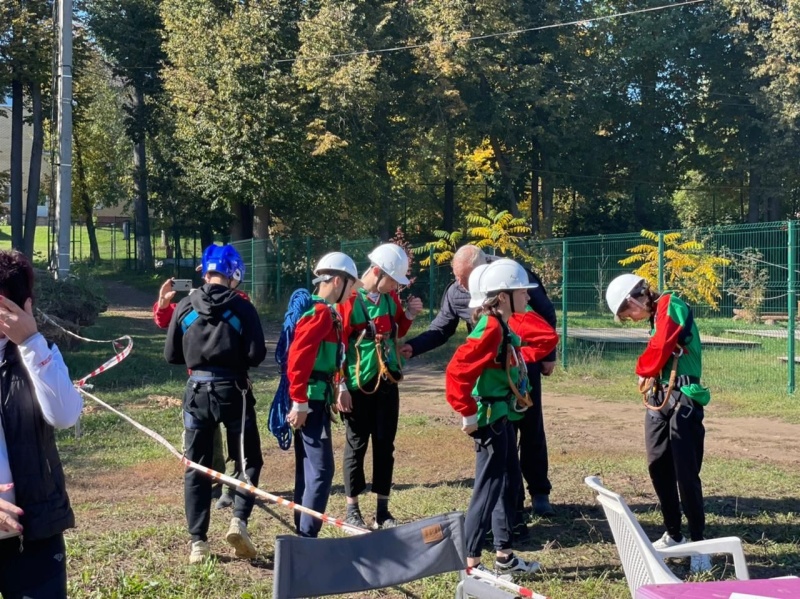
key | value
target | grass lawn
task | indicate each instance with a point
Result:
(128, 491)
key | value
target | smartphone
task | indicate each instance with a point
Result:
(182, 284)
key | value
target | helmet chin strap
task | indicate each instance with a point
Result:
(344, 287)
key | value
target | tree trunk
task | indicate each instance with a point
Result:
(754, 195)
(505, 172)
(35, 169)
(16, 165)
(261, 222)
(86, 209)
(144, 248)
(535, 195)
(242, 225)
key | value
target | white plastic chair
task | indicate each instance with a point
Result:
(644, 564)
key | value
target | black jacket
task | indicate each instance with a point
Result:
(455, 307)
(39, 485)
(227, 332)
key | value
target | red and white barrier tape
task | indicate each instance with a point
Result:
(115, 343)
(348, 528)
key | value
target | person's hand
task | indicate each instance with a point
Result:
(469, 428)
(344, 403)
(406, 351)
(641, 381)
(547, 368)
(165, 294)
(296, 419)
(7, 522)
(413, 306)
(15, 323)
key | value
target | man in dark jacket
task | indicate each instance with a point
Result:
(37, 397)
(454, 308)
(217, 334)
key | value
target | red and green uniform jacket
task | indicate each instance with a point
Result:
(312, 363)
(673, 323)
(477, 371)
(538, 338)
(390, 321)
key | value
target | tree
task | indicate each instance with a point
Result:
(688, 267)
(129, 33)
(25, 32)
(102, 159)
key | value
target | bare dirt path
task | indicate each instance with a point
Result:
(575, 422)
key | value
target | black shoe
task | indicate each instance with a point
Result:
(542, 507)
(384, 521)
(216, 490)
(354, 518)
(521, 534)
(225, 501)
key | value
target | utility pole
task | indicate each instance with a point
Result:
(64, 180)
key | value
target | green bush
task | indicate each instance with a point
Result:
(73, 303)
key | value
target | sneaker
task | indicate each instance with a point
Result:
(667, 541)
(200, 552)
(700, 563)
(354, 517)
(482, 568)
(542, 507)
(517, 565)
(239, 539)
(225, 501)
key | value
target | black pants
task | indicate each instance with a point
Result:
(674, 439)
(495, 490)
(532, 440)
(205, 406)
(39, 571)
(372, 416)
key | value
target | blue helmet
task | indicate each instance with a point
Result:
(222, 259)
(238, 268)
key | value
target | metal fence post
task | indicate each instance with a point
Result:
(792, 302)
(564, 326)
(431, 285)
(661, 261)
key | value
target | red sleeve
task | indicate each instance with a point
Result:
(467, 365)
(308, 335)
(403, 322)
(661, 345)
(538, 337)
(346, 311)
(243, 295)
(162, 316)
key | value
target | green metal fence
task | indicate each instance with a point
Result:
(754, 357)
(757, 357)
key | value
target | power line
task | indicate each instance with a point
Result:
(485, 36)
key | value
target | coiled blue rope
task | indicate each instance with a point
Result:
(299, 303)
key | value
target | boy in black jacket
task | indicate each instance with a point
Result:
(217, 334)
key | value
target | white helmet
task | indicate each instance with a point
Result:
(391, 259)
(619, 289)
(504, 275)
(334, 262)
(476, 295)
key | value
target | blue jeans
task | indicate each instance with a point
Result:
(314, 467)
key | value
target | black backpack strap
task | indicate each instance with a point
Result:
(503, 357)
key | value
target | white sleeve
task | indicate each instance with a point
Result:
(60, 402)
